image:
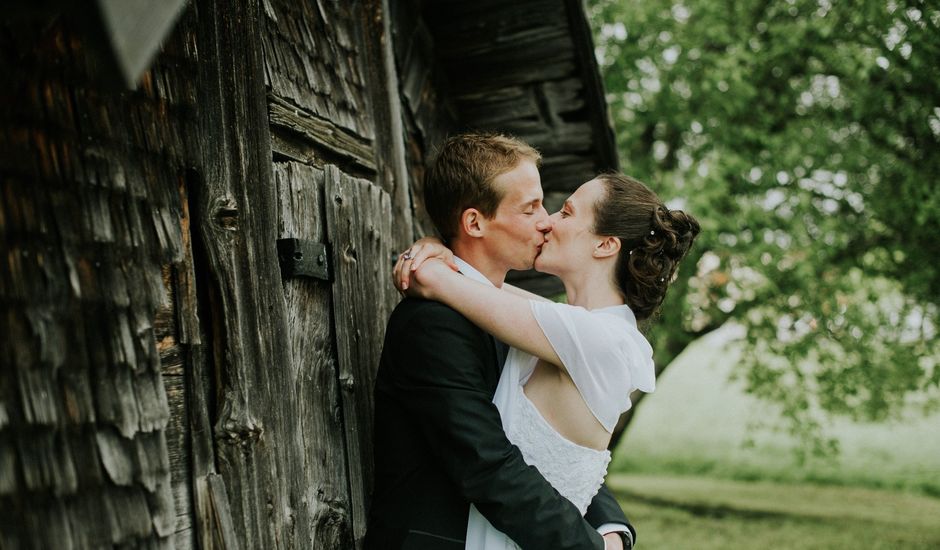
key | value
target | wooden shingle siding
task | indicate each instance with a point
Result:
(89, 219)
(314, 59)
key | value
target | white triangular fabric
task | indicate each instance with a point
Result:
(604, 353)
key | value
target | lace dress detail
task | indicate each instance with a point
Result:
(575, 471)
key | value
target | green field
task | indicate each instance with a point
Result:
(700, 468)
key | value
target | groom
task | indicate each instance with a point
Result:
(439, 441)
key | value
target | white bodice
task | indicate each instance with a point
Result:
(575, 471)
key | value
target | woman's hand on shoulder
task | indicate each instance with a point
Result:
(410, 261)
(428, 281)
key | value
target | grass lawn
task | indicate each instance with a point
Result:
(699, 513)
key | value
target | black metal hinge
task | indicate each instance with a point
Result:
(303, 258)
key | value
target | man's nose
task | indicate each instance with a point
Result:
(546, 223)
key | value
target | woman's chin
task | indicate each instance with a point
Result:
(542, 266)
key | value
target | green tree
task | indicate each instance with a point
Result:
(805, 136)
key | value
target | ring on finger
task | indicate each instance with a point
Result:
(407, 255)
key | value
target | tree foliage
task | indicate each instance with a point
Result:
(805, 136)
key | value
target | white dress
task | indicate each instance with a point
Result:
(607, 358)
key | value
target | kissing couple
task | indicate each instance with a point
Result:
(494, 407)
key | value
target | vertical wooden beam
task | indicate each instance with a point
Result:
(382, 76)
(359, 217)
(259, 445)
(211, 517)
(313, 367)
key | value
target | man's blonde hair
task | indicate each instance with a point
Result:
(462, 175)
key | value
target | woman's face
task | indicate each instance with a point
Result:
(572, 240)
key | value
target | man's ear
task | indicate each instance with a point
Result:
(471, 222)
(607, 247)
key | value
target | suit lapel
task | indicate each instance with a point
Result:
(502, 350)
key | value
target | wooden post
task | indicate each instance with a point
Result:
(259, 444)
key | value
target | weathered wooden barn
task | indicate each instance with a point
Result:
(194, 279)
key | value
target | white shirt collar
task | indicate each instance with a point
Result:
(471, 272)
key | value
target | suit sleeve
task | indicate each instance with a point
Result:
(439, 377)
(605, 509)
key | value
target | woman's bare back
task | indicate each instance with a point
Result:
(558, 400)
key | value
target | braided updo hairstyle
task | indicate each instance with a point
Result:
(653, 240)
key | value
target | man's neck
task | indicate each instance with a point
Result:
(479, 258)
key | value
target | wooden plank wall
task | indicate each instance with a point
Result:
(258, 445)
(162, 385)
(359, 218)
(331, 105)
(520, 75)
(313, 365)
(428, 114)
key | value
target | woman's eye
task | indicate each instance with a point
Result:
(564, 214)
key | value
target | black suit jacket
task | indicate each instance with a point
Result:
(440, 445)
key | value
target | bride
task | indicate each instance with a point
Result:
(572, 367)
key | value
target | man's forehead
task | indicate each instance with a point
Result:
(520, 185)
(523, 195)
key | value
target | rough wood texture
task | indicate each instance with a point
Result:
(333, 142)
(359, 227)
(535, 78)
(313, 58)
(382, 77)
(427, 112)
(160, 384)
(259, 443)
(172, 359)
(207, 521)
(89, 216)
(313, 367)
(215, 514)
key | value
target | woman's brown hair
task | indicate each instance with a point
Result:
(653, 240)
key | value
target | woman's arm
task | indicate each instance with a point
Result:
(523, 293)
(506, 316)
